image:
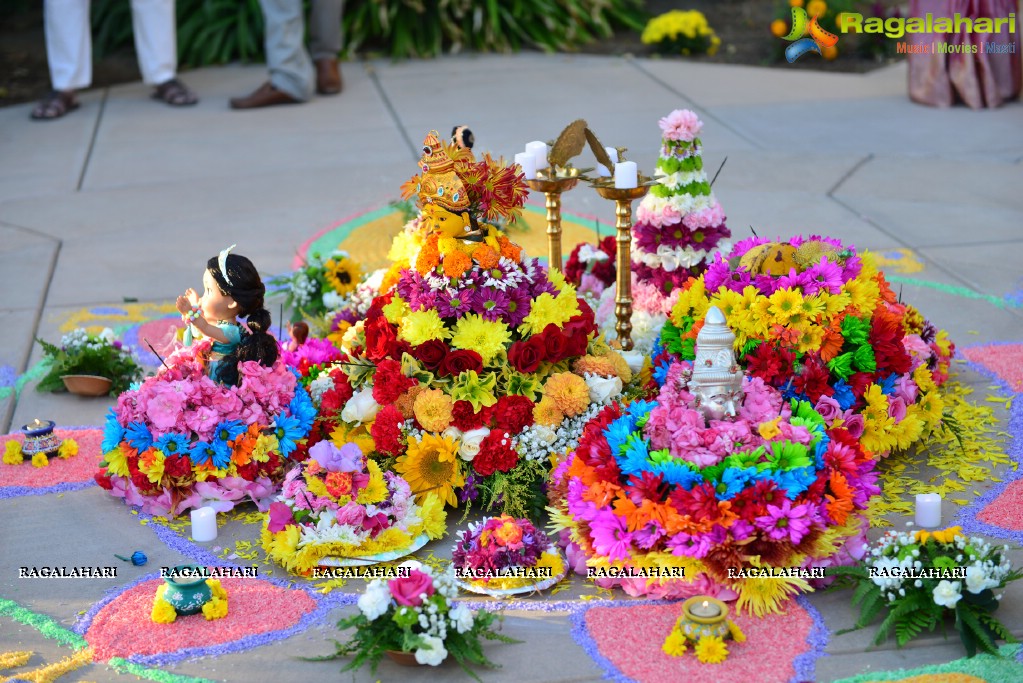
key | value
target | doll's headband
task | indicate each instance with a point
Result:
(222, 262)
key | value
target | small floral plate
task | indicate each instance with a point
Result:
(367, 560)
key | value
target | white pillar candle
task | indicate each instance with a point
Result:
(528, 163)
(539, 151)
(626, 175)
(612, 154)
(928, 510)
(204, 524)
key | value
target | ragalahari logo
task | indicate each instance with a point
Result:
(806, 35)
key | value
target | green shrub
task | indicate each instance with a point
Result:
(218, 31)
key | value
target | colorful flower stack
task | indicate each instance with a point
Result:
(339, 504)
(476, 364)
(679, 226)
(180, 440)
(820, 323)
(504, 555)
(658, 485)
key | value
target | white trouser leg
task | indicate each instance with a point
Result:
(155, 39)
(68, 43)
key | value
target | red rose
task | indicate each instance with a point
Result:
(389, 383)
(459, 361)
(380, 337)
(513, 413)
(103, 479)
(431, 353)
(406, 589)
(177, 466)
(465, 418)
(386, 430)
(554, 343)
(270, 467)
(496, 454)
(249, 471)
(526, 356)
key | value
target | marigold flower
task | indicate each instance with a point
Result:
(432, 409)
(569, 392)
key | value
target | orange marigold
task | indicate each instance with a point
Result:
(568, 391)
(456, 263)
(485, 256)
(429, 256)
(595, 365)
(509, 250)
(547, 412)
(406, 401)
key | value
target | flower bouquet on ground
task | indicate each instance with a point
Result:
(321, 285)
(338, 505)
(917, 579)
(181, 440)
(416, 614)
(504, 556)
(81, 353)
(818, 321)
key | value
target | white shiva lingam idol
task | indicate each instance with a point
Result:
(716, 380)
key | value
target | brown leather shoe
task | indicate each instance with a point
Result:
(264, 96)
(328, 76)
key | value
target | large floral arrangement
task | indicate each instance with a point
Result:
(505, 553)
(918, 578)
(338, 503)
(818, 321)
(82, 353)
(320, 285)
(416, 613)
(181, 440)
(656, 485)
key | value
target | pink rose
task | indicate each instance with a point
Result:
(896, 409)
(853, 423)
(407, 590)
(681, 124)
(829, 408)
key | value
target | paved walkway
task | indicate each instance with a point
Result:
(126, 199)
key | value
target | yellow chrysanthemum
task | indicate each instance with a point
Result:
(736, 632)
(68, 449)
(396, 310)
(433, 410)
(931, 407)
(316, 486)
(403, 247)
(863, 294)
(547, 413)
(568, 302)
(730, 304)
(163, 612)
(422, 326)
(786, 305)
(811, 307)
(151, 464)
(12, 453)
(924, 379)
(569, 392)
(485, 337)
(447, 245)
(546, 310)
(217, 589)
(215, 609)
(117, 462)
(810, 338)
(40, 460)
(342, 274)
(765, 595)
(265, 445)
(692, 302)
(376, 490)
(711, 650)
(431, 512)
(675, 644)
(432, 465)
(834, 303)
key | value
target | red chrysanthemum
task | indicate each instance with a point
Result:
(464, 417)
(813, 379)
(496, 454)
(389, 383)
(386, 430)
(513, 413)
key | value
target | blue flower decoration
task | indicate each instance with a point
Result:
(138, 436)
(888, 384)
(228, 430)
(289, 430)
(173, 444)
(636, 454)
(679, 473)
(734, 481)
(844, 395)
(221, 454)
(302, 408)
(661, 373)
(202, 453)
(113, 432)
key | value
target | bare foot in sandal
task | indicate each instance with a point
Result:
(55, 105)
(175, 93)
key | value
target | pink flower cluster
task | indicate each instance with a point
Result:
(681, 124)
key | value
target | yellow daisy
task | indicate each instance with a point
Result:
(711, 650)
(786, 304)
(432, 465)
(675, 644)
(485, 337)
(545, 310)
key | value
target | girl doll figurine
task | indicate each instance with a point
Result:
(232, 289)
(299, 333)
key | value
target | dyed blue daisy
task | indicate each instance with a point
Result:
(795, 481)
(221, 455)
(636, 454)
(228, 430)
(617, 433)
(888, 384)
(113, 432)
(202, 453)
(844, 395)
(679, 473)
(138, 436)
(289, 430)
(661, 373)
(173, 444)
(734, 480)
(302, 408)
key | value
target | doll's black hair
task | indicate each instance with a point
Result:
(247, 290)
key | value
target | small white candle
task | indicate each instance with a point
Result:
(528, 163)
(705, 609)
(928, 510)
(612, 154)
(204, 524)
(539, 151)
(626, 175)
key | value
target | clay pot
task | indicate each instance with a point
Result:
(403, 658)
(87, 385)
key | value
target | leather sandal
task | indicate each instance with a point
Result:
(55, 105)
(175, 93)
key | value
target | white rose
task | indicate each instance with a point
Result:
(375, 601)
(453, 433)
(461, 617)
(361, 407)
(977, 580)
(431, 651)
(634, 359)
(471, 440)
(946, 594)
(603, 389)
